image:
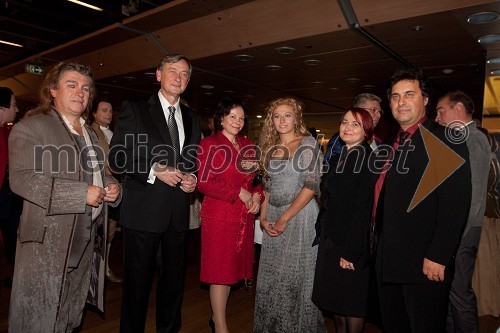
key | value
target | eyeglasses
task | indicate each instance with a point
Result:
(374, 110)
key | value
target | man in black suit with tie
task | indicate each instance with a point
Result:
(421, 204)
(154, 146)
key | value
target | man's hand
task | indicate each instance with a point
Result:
(167, 174)
(433, 270)
(112, 192)
(95, 195)
(188, 183)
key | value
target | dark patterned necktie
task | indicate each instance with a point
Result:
(402, 137)
(174, 132)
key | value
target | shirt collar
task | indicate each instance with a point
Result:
(413, 128)
(71, 128)
(165, 104)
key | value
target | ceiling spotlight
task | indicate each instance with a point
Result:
(273, 68)
(493, 60)
(418, 28)
(489, 39)
(317, 83)
(312, 62)
(229, 91)
(81, 3)
(128, 78)
(208, 94)
(333, 88)
(207, 86)
(368, 86)
(317, 131)
(150, 74)
(259, 116)
(285, 50)
(244, 57)
(10, 43)
(448, 71)
(483, 17)
(495, 72)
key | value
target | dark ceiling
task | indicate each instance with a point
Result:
(338, 48)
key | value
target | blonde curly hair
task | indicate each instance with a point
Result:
(269, 137)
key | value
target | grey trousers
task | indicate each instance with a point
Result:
(462, 314)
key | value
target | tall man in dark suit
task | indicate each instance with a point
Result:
(422, 205)
(154, 146)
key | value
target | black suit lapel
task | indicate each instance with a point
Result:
(159, 120)
(187, 123)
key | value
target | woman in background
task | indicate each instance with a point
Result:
(342, 269)
(226, 171)
(286, 268)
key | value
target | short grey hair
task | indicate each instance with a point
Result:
(361, 99)
(174, 58)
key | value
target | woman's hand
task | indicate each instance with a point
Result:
(268, 227)
(280, 226)
(346, 264)
(254, 208)
(246, 197)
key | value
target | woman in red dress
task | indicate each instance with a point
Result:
(227, 164)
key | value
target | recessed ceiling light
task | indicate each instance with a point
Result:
(312, 62)
(495, 72)
(483, 17)
(418, 28)
(317, 131)
(207, 86)
(244, 57)
(489, 39)
(448, 71)
(208, 93)
(285, 50)
(493, 60)
(128, 78)
(150, 74)
(333, 88)
(229, 91)
(352, 79)
(317, 83)
(259, 116)
(273, 68)
(368, 86)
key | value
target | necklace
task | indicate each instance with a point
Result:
(235, 143)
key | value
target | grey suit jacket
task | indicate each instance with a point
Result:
(480, 157)
(45, 171)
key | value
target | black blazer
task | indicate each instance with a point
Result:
(433, 228)
(140, 139)
(346, 205)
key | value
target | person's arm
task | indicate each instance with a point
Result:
(212, 178)
(301, 200)
(454, 196)
(268, 226)
(357, 232)
(31, 178)
(310, 158)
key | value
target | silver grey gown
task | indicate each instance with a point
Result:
(286, 267)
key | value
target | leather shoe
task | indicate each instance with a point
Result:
(112, 277)
(211, 324)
